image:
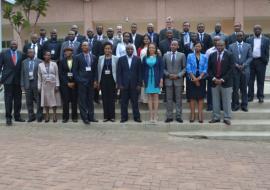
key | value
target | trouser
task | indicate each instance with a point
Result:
(240, 81)
(86, 105)
(219, 92)
(69, 95)
(32, 95)
(209, 93)
(108, 100)
(132, 94)
(174, 91)
(257, 70)
(13, 93)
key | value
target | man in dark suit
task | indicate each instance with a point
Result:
(71, 42)
(53, 46)
(165, 45)
(33, 45)
(220, 71)
(169, 26)
(10, 67)
(85, 75)
(78, 37)
(242, 55)
(113, 40)
(153, 35)
(204, 38)
(42, 36)
(260, 54)
(186, 38)
(99, 36)
(29, 84)
(129, 81)
(68, 86)
(136, 38)
(232, 38)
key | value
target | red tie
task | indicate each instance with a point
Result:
(14, 58)
(218, 67)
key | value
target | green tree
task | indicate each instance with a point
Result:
(19, 14)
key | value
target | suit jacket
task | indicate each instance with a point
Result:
(80, 74)
(246, 55)
(165, 46)
(79, 38)
(192, 64)
(138, 40)
(264, 48)
(232, 39)
(25, 73)
(129, 76)
(185, 47)
(227, 66)
(162, 34)
(96, 46)
(64, 70)
(179, 68)
(54, 47)
(76, 48)
(28, 46)
(158, 69)
(103, 36)
(155, 38)
(101, 65)
(11, 74)
(207, 42)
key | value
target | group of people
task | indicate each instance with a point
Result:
(139, 67)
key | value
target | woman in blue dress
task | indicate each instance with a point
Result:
(153, 79)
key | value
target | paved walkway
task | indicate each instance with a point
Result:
(81, 158)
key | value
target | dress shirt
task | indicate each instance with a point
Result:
(129, 60)
(201, 36)
(35, 47)
(210, 51)
(257, 47)
(186, 38)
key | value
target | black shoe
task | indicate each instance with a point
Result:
(244, 109)
(106, 120)
(123, 120)
(138, 120)
(209, 108)
(31, 119)
(227, 122)
(64, 120)
(250, 99)
(75, 120)
(9, 122)
(20, 120)
(86, 122)
(235, 108)
(168, 120)
(39, 120)
(214, 121)
(93, 120)
(261, 100)
(179, 120)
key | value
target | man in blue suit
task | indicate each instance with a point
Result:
(10, 68)
(260, 54)
(129, 81)
(85, 75)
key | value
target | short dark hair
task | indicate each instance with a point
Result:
(107, 44)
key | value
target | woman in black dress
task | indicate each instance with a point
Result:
(196, 89)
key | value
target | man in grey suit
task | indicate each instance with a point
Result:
(29, 78)
(242, 54)
(72, 43)
(175, 68)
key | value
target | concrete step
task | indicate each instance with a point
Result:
(253, 114)
(237, 126)
(229, 135)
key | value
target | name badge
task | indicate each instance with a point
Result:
(70, 74)
(88, 68)
(107, 72)
(31, 74)
(52, 51)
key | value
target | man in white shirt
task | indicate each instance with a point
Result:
(33, 45)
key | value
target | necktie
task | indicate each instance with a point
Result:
(240, 50)
(218, 66)
(31, 68)
(201, 37)
(14, 58)
(173, 59)
(87, 59)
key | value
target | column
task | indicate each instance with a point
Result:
(160, 14)
(87, 14)
(239, 12)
